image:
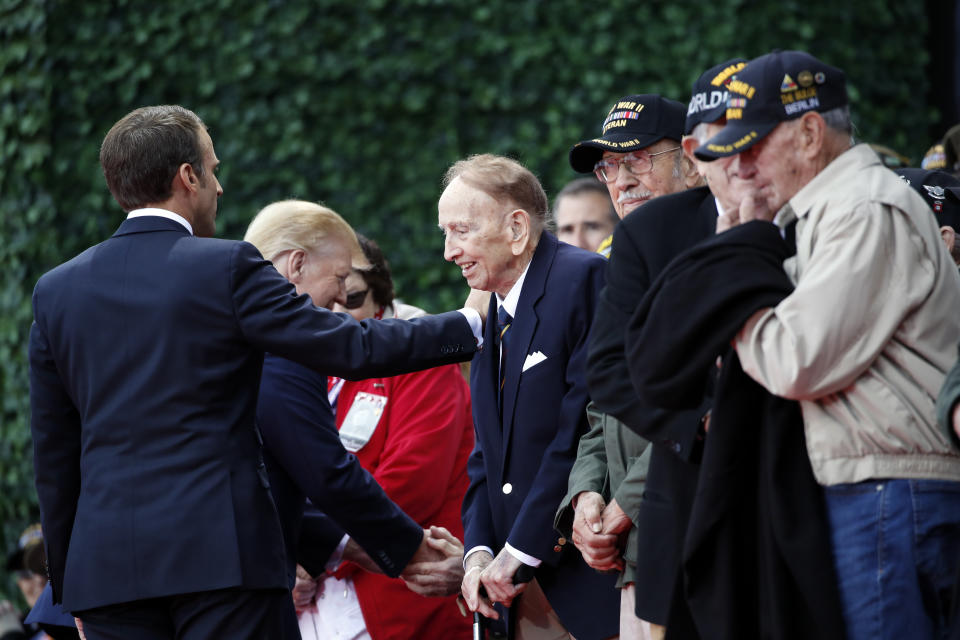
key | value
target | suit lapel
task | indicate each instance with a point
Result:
(524, 325)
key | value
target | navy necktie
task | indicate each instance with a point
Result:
(503, 327)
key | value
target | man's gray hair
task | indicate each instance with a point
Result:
(699, 132)
(838, 119)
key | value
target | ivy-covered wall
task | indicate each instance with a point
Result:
(362, 105)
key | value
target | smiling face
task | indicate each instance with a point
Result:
(629, 190)
(323, 275)
(477, 237)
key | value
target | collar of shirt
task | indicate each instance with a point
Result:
(513, 296)
(720, 211)
(163, 213)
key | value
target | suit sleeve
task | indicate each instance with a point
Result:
(304, 441)
(55, 428)
(532, 529)
(319, 538)
(425, 428)
(628, 278)
(276, 320)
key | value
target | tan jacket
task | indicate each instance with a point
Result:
(867, 336)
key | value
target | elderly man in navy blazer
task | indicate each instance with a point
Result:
(529, 394)
(145, 357)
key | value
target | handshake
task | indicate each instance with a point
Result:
(436, 568)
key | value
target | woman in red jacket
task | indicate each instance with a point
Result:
(414, 433)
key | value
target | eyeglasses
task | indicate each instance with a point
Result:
(637, 163)
(355, 299)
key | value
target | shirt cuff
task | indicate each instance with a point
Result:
(521, 556)
(476, 325)
(337, 556)
(474, 550)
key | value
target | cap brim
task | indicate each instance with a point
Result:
(735, 137)
(586, 154)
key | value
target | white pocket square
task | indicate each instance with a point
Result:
(533, 359)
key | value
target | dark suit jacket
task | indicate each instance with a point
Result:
(145, 356)
(643, 244)
(305, 459)
(543, 419)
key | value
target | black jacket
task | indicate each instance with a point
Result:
(643, 244)
(757, 559)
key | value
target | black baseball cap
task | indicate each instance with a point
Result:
(940, 190)
(771, 89)
(708, 96)
(633, 122)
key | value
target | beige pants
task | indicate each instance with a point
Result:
(536, 619)
(632, 627)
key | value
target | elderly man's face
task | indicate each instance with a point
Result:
(771, 166)
(727, 187)
(630, 190)
(477, 237)
(322, 275)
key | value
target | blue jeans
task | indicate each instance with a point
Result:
(896, 547)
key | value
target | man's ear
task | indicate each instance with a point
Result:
(689, 144)
(518, 224)
(186, 178)
(949, 237)
(690, 172)
(295, 266)
(811, 133)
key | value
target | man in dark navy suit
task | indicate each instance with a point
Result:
(145, 356)
(529, 392)
(314, 248)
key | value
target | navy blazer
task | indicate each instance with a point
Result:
(518, 470)
(145, 356)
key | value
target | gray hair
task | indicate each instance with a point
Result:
(839, 120)
(699, 132)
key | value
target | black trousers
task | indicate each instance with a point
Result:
(240, 614)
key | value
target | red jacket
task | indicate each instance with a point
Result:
(418, 453)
